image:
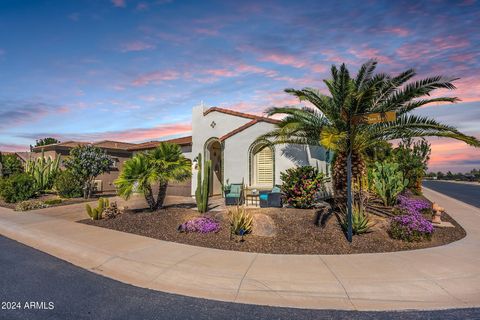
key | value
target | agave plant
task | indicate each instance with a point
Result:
(326, 123)
(361, 222)
(241, 222)
(43, 170)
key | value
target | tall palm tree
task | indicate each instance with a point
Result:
(326, 122)
(157, 167)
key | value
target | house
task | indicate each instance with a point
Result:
(174, 188)
(118, 151)
(229, 139)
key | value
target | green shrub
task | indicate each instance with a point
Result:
(68, 185)
(30, 205)
(51, 202)
(301, 186)
(361, 222)
(10, 165)
(241, 221)
(18, 187)
(388, 182)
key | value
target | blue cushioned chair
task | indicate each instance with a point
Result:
(235, 196)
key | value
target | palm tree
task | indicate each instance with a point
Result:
(325, 123)
(157, 167)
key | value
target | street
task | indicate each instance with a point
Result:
(40, 286)
(468, 193)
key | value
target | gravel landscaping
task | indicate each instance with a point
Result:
(296, 232)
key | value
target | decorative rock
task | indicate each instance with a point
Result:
(263, 225)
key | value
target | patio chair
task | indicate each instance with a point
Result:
(235, 196)
(271, 198)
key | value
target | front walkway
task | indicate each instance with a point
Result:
(435, 278)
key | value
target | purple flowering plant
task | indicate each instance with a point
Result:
(301, 186)
(411, 226)
(201, 225)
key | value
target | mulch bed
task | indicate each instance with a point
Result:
(297, 233)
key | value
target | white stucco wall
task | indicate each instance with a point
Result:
(236, 159)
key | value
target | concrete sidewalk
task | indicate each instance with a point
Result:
(435, 278)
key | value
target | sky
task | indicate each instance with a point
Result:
(131, 70)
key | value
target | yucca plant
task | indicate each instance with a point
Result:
(325, 123)
(43, 170)
(241, 221)
(361, 222)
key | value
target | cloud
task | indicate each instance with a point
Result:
(11, 147)
(136, 46)
(119, 3)
(142, 6)
(284, 59)
(17, 112)
(398, 31)
(155, 77)
(127, 135)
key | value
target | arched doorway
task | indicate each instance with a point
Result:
(262, 165)
(213, 152)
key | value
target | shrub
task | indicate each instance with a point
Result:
(411, 205)
(411, 227)
(30, 205)
(361, 222)
(301, 186)
(388, 182)
(241, 221)
(51, 202)
(10, 165)
(18, 187)
(200, 224)
(68, 185)
(111, 211)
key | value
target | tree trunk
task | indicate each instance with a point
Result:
(339, 174)
(148, 193)
(162, 194)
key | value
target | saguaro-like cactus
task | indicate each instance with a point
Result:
(96, 213)
(203, 184)
(43, 170)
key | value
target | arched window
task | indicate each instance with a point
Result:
(262, 166)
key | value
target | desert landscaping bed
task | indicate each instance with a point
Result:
(296, 232)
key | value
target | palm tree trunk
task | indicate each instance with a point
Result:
(148, 193)
(340, 174)
(162, 193)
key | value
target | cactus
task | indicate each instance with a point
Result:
(43, 170)
(388, 182)
(203, 184)
(96, 213)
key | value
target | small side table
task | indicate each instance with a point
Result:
(254, 199)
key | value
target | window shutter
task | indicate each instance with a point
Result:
(264, 166)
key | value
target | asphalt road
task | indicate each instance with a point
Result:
(468, 193)
(28, 275)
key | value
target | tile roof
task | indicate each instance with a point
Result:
(183, 141)
(240, 114)
(106, 144)
(109, 144)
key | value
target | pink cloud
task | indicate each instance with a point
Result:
(451, 153)
(468, 90)
(142, 6)
(399, 31)
(206, 31)
(424, 50)
(369, 53)
(11, 147)
(155, 77)
(284, 59)
(119, 3)
(136, 46)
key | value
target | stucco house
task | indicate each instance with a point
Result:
(228, 139)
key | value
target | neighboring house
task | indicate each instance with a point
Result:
(228, 139)
(118, 151)
(174, 188)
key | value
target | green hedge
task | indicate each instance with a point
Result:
(18, 187)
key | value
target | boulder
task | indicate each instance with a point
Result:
(263, 225)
